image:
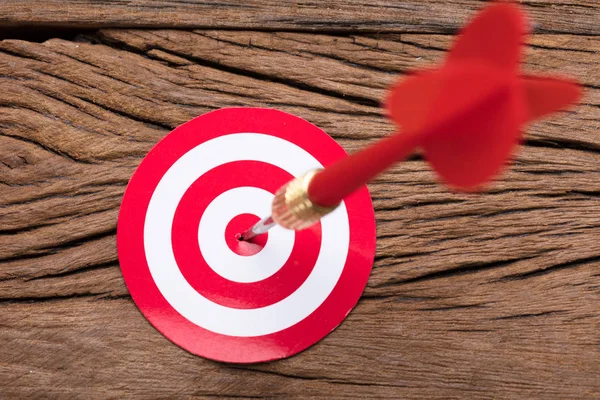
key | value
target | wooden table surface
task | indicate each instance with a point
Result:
(471, 296)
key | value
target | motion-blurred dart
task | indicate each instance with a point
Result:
(467, 116)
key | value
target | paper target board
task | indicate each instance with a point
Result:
(211, 294)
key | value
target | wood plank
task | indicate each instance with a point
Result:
(548, 16)
(416, 344)
(479, 296)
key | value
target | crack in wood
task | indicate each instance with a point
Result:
(532, 315)
(364, 101)
(45, 299)
(149, 122)
(451, 272)
(563, 144)
(106, 265)
(456, 307)
(552, 268)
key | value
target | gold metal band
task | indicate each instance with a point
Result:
(292, 208)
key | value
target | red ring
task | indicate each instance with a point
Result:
(192, 264)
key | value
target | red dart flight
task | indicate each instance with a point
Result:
(467, 115)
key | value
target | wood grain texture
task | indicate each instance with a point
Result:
(555, 16)
(471, 296)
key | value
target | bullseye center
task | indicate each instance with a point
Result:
(239, 224)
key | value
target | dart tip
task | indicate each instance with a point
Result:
(259, 228)
(245, 236)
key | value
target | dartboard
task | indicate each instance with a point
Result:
(221, 298)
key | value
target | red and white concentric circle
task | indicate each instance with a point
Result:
(220, 298)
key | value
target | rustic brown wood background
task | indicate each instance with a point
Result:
(471, 296)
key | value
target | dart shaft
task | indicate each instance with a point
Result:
(328, 187)
(259, 228)
(345, 176)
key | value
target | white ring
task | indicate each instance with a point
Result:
(335, 239)
(216, 252)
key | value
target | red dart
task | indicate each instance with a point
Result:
(467, 115)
